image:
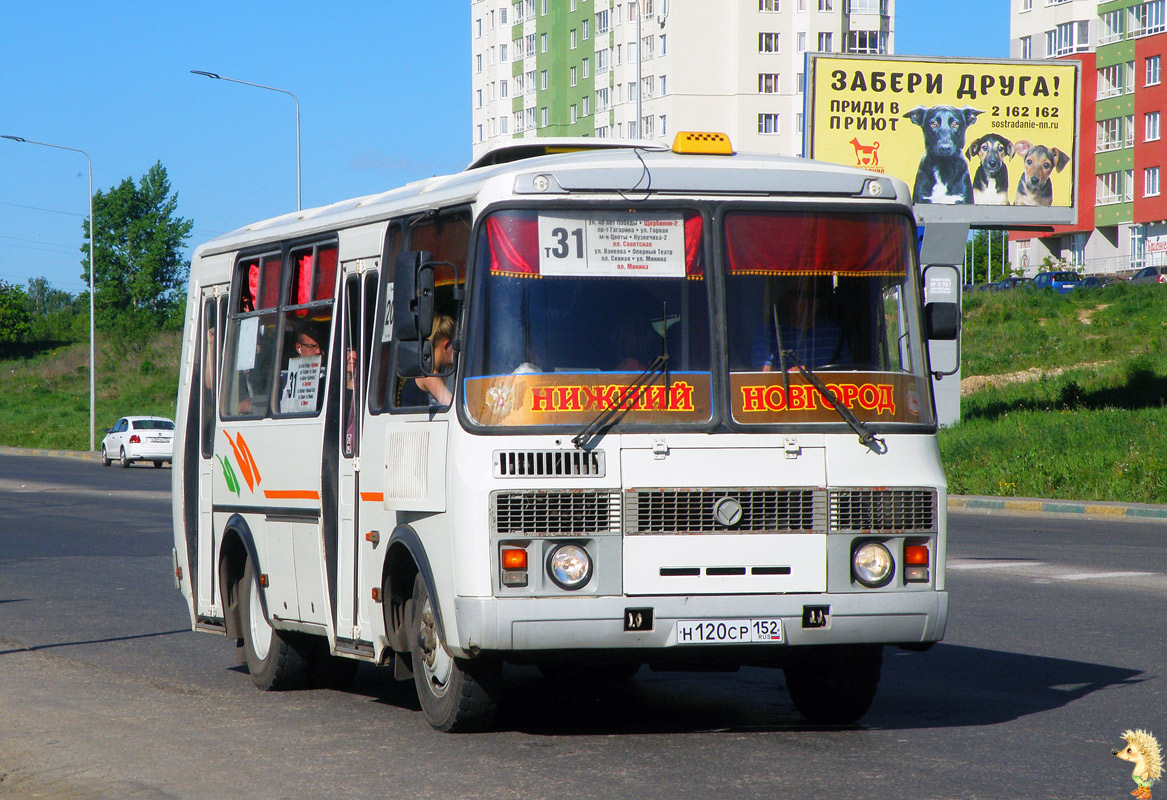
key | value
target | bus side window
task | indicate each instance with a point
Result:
(447, 239)
(307, 329)
(249, 356)
(208, 369)
(381, 376)
(351, 338)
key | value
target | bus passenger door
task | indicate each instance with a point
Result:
(358, 299)
(207, 604)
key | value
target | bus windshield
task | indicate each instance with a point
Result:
(830, 292)
(573, 306)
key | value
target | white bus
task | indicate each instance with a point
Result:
(681, 416)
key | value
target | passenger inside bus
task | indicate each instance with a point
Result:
(806, 329)
(302, 380)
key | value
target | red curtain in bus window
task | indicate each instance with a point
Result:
(269, 282)
(694, 225)
(815, 244)
(314, 277)
(324, 281)
(514, 244)
(303, 283)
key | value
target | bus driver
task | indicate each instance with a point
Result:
(442, 338)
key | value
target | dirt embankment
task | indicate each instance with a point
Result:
(975, 383)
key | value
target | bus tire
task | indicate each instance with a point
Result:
(456, 695)
(276, 659)
(834, 685)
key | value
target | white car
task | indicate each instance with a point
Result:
(138, 439)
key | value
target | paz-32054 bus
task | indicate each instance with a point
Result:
(685, 420)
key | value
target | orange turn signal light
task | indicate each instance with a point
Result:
(514, 558)
(916, 555)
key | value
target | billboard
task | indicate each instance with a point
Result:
(982, 141)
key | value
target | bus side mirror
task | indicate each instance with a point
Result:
(413, 313)
(942, 320)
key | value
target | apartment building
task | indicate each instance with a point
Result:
(645, 69)
(1122, 213)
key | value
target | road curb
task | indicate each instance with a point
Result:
(1026, 506)
(81, 455)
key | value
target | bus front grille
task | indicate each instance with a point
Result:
(549, 463)
(681, 511)
(555, 513)
(882, 509)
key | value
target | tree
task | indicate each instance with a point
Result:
(15, 321)
(140, 273)
(43, 299)
(54, 312)
(977, 256)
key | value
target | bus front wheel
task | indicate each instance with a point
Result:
(456, 695)
(834, 684)
(276, 659)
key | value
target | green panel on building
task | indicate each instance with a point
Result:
(1113, 214)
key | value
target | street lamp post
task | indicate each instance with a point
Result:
(218, 77)
(92, 267)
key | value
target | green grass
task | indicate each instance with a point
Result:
(1097, 430)
(45, 401)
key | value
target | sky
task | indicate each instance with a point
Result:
(383, 88)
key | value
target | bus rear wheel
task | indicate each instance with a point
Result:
(834, 685)
(456, 695)
(276, 659)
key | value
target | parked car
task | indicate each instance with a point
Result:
(138, 439)
(1012, 283)
(1062, 281)
(1150, 275)
(1097, 281)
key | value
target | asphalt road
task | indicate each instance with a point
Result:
(1054, 647)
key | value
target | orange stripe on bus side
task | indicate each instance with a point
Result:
(290, 494)
(373, 497)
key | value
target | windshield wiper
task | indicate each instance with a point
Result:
(614, 413)
(866, 437)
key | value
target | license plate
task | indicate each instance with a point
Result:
(728, 631)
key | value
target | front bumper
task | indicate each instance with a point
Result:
(597, 623)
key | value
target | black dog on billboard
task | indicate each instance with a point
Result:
(943, 175)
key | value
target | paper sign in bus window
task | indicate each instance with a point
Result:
(603, 245)
(245, 353)
(301, 384)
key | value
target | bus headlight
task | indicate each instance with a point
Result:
(872, 564)
(569, 566)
